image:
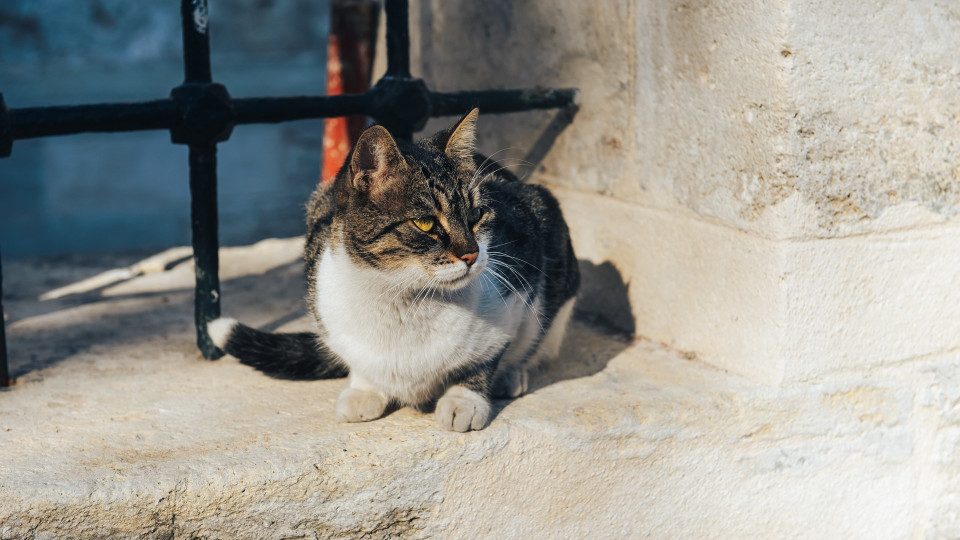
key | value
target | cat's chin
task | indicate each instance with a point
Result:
(458, 283)
(451, 276)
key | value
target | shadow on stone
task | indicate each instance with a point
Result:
(601, 329)
(159, 320)
(604, 299)
(42, 334)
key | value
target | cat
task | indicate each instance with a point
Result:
(436, 279)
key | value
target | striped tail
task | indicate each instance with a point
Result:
(287, 356)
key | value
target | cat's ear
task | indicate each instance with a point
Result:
(463, 137)
(375, 160)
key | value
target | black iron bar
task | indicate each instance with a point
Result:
(196, 41)
(5, 379)
(203, 221)
(286, 109)
(29, 123)
(398, 38)
(35, 122)
(203, 180)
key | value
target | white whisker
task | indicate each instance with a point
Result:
(518, 259)
(523, 297)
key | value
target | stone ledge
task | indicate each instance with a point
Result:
(777, 311)
(118, 428)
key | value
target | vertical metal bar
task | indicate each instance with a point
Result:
(203, 221)
(398, 38)
(196, 41)
(203, 181)
(5, 379)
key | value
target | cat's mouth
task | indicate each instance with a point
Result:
(458, 276)
(454, 276)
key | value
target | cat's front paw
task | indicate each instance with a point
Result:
(462, 409)
(511, 382)
(355, 405)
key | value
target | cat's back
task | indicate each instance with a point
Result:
(533, 235)
(319, 217)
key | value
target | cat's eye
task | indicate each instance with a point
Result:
(474, 216)
(425, 224)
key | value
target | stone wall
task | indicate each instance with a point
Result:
(782, 176)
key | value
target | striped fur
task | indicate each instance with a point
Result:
(443, 318)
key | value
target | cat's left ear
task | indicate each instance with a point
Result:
(463, 137)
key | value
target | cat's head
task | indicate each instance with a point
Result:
(415, 211)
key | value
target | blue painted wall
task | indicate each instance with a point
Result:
(120, 191)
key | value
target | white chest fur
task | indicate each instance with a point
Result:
(403, 342)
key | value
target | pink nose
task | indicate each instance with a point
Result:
(469, 258)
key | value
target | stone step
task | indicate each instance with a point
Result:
(117, 428)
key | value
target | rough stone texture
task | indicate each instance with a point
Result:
(877, 109)
(776, 311)
(725, 109)
(784, 174)
(118, 428)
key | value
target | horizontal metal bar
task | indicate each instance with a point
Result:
(286, 109)
(502, 101)
(30, 123)
(34, 122)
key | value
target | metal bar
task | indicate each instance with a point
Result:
(203, 181)
(398, 38)
(285, 109)
(5, 379)
(35, 122)
(502, 101)
(196, 41)
(203, 221)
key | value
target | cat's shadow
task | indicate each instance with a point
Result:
(602, 327)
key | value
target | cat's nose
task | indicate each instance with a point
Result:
(470, 258)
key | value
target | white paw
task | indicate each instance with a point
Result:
(511, 382)
(356, 405)
(462, 409)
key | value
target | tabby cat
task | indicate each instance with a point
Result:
(436, 278)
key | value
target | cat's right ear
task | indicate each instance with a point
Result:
(375, 160)
(463, 137)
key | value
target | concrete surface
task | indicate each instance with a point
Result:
(784, 174)
(118, 428)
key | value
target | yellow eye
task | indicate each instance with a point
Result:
(425, 224)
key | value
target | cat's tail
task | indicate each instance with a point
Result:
(289, 356)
